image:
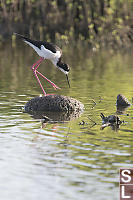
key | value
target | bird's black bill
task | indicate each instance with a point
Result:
(68, 80)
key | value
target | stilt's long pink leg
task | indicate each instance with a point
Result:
(40, 83)
(54, 86)
(34, 70)
(37, 63)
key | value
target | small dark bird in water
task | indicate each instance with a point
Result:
(112, 120)
(48, 51)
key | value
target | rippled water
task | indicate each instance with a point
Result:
(64, 160)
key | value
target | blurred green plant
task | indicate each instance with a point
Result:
(96, 22)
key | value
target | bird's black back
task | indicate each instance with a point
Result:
(50, 46)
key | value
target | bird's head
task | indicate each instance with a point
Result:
(65, 69)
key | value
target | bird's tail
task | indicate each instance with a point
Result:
(32, 43)
(21, 36)
(25, 39)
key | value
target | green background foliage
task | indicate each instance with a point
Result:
(97, 22)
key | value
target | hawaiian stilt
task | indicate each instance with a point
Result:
(48, 51)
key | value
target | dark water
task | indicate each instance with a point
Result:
(64, 160)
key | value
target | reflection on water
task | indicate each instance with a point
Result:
(56, 116)
(68, 160)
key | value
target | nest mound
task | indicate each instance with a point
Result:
(53, 103)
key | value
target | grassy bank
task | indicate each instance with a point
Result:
(99, 23)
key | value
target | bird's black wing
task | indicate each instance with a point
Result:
(50, 46)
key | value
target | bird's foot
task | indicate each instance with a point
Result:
(41, 95)
(49, 94)
(55, 86)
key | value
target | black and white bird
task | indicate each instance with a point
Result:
(48, 51)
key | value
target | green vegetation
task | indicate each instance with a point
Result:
(99, 23)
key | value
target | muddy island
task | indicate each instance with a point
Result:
(53, 103)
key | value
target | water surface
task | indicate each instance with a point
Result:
(64, 160)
